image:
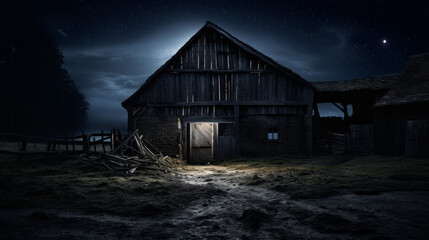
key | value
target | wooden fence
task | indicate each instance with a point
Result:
(338, 143)
(95, 142)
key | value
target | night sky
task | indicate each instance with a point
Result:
(111, 47)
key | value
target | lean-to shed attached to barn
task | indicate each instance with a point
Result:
(390, 113)
(217, 98)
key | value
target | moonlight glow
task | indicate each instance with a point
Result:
(384, 41)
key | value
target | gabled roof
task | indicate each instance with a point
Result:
(239, 43)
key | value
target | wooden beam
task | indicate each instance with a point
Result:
(208, 119)
(230, 103)
(178, 70)
(338, 106)
(316, 110)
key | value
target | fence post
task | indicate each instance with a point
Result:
(102, 141)
(67, 145)
(73, 141)
(346, 142)
(329, 142)
(112, 140)
(23, 144)
(95, 144)
(85, 143)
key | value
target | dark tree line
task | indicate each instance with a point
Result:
(37, 95)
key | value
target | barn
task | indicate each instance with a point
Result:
(219, 98)
(389, 113)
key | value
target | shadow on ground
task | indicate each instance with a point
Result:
(297, 197)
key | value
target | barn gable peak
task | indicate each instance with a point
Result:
(245, 47)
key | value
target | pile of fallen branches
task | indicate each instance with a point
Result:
(133, 153)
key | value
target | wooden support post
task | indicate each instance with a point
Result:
(237, 129)
(316, 110)
(95, 144)
(23, 144)
(67, 145)
(85, 143)
(346, 117)
(102, 141)
(73, 142)
(112, 140)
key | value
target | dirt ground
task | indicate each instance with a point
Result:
(295, 197)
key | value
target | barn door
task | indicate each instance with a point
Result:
(201, 143)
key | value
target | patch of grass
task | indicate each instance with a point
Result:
(397, 168)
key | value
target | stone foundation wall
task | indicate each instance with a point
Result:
(162, 132)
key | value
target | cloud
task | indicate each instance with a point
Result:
(108, 74)
(61, 32)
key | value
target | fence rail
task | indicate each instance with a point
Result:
(85, 143)
(338, 142)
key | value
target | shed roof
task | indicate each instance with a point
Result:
(373, 83)
(410, 86)
(239, 43)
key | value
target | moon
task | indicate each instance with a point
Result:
(384, 41)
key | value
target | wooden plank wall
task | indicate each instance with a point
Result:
(215, 69)
(417, 140)
(226, 148)
(361, 138)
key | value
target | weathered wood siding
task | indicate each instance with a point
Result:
(214, 69)
(254, 135)
(395, 125)
(417, 141)
(361, 137)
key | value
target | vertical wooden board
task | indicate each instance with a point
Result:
(227, 55)
(290, 90)
(201, 84)
(235, 55)
(219, 54)
(212, 88)
(255, 87)
(186, 60)
(221, 88)
(282, 86)
(179, 88)
(204, 45)
(260, 87)
(277, 87)
(188, 86)
(215, 48)
(192, 57)
(207, 87)
(198, 53)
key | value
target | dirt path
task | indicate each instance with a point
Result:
(211, 202)
(253, 209)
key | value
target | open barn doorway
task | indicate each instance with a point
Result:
(201, 142)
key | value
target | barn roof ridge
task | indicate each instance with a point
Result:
(240, 43)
